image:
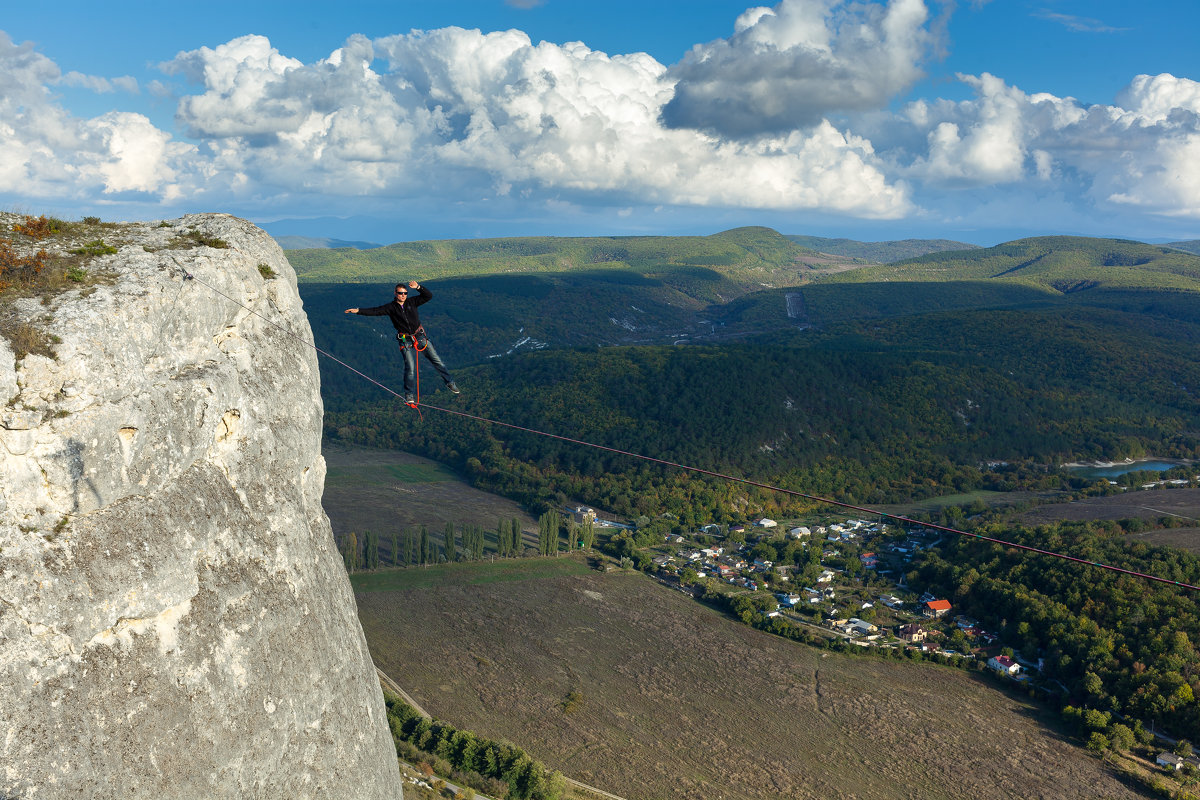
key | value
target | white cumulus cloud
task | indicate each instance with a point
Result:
(792, 65)
(460, 112)
(45, 152)
(1141, 151)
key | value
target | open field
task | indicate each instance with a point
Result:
(1134, 504)
(387, 491)
(933, 504)
(680, 701)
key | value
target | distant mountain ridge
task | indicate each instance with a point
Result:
(754, 256)
(1191, 246)
(880, 252)
(320, 243)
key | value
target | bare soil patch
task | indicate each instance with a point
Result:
(680, 701)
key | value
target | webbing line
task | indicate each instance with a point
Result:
(711, 473)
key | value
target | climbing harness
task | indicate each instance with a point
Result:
(404, 339)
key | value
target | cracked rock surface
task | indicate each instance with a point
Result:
(175, 621)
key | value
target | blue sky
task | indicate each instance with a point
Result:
(978, 121)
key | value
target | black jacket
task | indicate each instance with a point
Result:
(404, 317)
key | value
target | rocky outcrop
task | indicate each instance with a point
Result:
(175, 621)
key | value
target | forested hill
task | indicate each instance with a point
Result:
(886, 410)
(1063, 264)
(752, 255)
(880, 252)
(1191, 246)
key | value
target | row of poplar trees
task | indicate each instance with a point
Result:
(467, 543)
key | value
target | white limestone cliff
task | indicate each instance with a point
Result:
(175, 621)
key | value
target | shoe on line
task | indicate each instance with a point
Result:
(408, 398)
(453, 387)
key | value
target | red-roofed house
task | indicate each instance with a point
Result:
(937, 608)
(1004, 665)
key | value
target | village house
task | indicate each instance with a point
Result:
(583, 515)
(912, 633)
(825, 577)
(891, 601)
(662, 561)
(862, 626)
(1170, 761)
(869, 560)
(1004, 665)
(766, 523)
(937, 608)
(799, 533)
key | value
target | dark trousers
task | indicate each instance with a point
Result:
(410, 358)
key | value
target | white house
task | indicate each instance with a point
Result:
(799, 533)
(825, 577)
(766, 523)
(1170, 761)
(1004, 665)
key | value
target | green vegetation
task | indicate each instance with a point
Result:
(28, 269)
(911, 379)
(495, 767)
(751, 255)
(1062, 264)
(266, 271)
(887, 411)
(194, 237)
(467, 574)
(1119, 644)
(880, 252)
(95, 248)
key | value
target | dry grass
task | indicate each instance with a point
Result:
(1139, 504)
(40, 257)
(670, 699)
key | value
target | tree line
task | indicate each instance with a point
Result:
(484, 762)
(1118, 644)
(466, 542)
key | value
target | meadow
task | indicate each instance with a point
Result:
(389, 491)
(635, 688)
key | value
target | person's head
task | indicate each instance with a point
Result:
(401, 292)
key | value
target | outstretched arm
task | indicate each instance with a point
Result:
(351, 310)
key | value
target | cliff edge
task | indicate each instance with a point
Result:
(175, 621)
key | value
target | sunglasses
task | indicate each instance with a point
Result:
(401, 294)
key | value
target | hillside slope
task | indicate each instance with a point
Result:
(880, 252)
(675, 700)
(752, 255)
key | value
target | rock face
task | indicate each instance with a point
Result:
(175, 621)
